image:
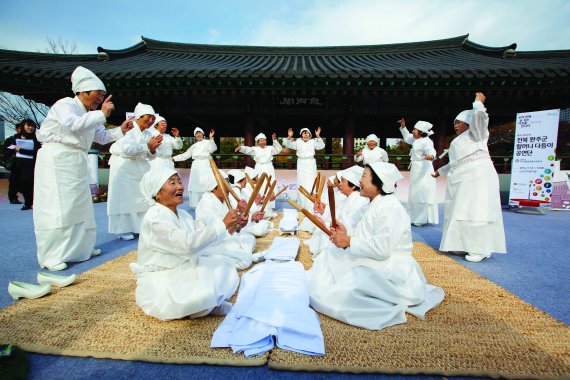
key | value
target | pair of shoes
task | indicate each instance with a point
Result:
(95, 252)
(26, 208)
(418, 224)
(127, 236)
(24, 290)
(475, 257)
(57, 267)
(15, 202)
(46, 278)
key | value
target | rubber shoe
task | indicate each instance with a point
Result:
(475, 258)
(127, 236)
(96, 252)
(24, 290)
(45, 278)
(57, 267)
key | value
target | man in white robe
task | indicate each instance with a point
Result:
(370, 278)
(64, 221)
(129, 162)
(473, 220)
(169, 143)
(371, 152)
(173, 280)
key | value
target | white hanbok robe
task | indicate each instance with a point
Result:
(348, 212)
(64, 221)
(372, 155)
(263, 157)
(473, 220)
(257, 229)
(237, 249)
(374, 282)
(128, 162)
(164, 151)
(173, 280)
(306, 165)
(422, 201)
(200, 152)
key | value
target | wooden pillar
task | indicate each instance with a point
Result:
(348, 141)
(249, 137)
(440, 135)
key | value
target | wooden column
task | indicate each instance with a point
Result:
(440, 135)
(249, 137)
(348, 140)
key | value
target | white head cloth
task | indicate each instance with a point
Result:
(465, 116)
(251, 172)
(237, 174)
(158, 120)
(374, 138)
(388, 174)
(353, 174)
(260, 136)
(424, 126)
(331, 178)
(339, 175)
(83, 79)
(306, 130)
(207, 180)
(223, 173)
(152, 182)
(198, 129)
(143, 109)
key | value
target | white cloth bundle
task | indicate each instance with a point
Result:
(273, 301)
(289, 222)
(282, 249)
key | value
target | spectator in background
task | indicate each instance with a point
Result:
(8, 157)
(26, 161)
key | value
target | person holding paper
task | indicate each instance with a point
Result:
(26, 149)
(9, 163)
(164, 150)
(473, 220)
(200, 152)
(306, 163)
(129, 162)
(173, 280)
(422, 203)
(369, 278)
(371, 152)
(64, 221)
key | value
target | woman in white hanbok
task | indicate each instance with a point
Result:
(164, 151)
(263, 154)
(473, 220)
(422, 202)
(306, 163)
(200, 152)
(173, 280)
(371, 152)
(129, 162)
(369, 278)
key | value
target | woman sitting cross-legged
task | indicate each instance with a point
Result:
(173, 280)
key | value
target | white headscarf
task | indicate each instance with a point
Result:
(158, 120)
(465, 116)
(388, 174)
(83, 79)
(237, 174)
(306, 130)
(143, 109)
(353, 174)
(424, 126)
(339, 175)
(251, 172)
(223, 173)
(260, 136)
(198, 129)
(152, 182)
(374, 138)
(207, 180)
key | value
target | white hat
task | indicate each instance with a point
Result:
(353, 174)
(331, 178)
(424, 126)
(207, 180)
(143, 109)
(374, 138)
(223, 173)
(158, 120)
(152, 181)
(198, 129)
(465, 116)
(251, 172)
(260, 136)
(339, 175)
(237, 174)
(83, 79)
(305, 130)
(388, 174)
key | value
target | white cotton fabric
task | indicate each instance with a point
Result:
(376, 281)
(64, 222)
(260, 136)
(283, 249)
(163, 156)
(173, 280)
(200, 152)
(305, 130)
(198, 129)
(251, 172)
(353, 174)
(422, 201)
(263, 157)
(152, 181)
(465, 116)
(373, 137)
(289, 222)
(372, 155)
(272, 303)
(83, 79)
(143, 109)
(389, 175)
(237, 174)
(424, 126)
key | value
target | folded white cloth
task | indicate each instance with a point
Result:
(273, 301)
(289, 222)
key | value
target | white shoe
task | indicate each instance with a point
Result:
(418, 224)
(57, 267)
(95, 252)
(127, 236)
(45, 278)
(476, 257)
(24, 290)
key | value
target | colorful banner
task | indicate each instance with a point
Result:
(534, 156)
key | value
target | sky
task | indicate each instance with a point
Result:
(534, 25)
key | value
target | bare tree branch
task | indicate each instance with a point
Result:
(60, 46)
